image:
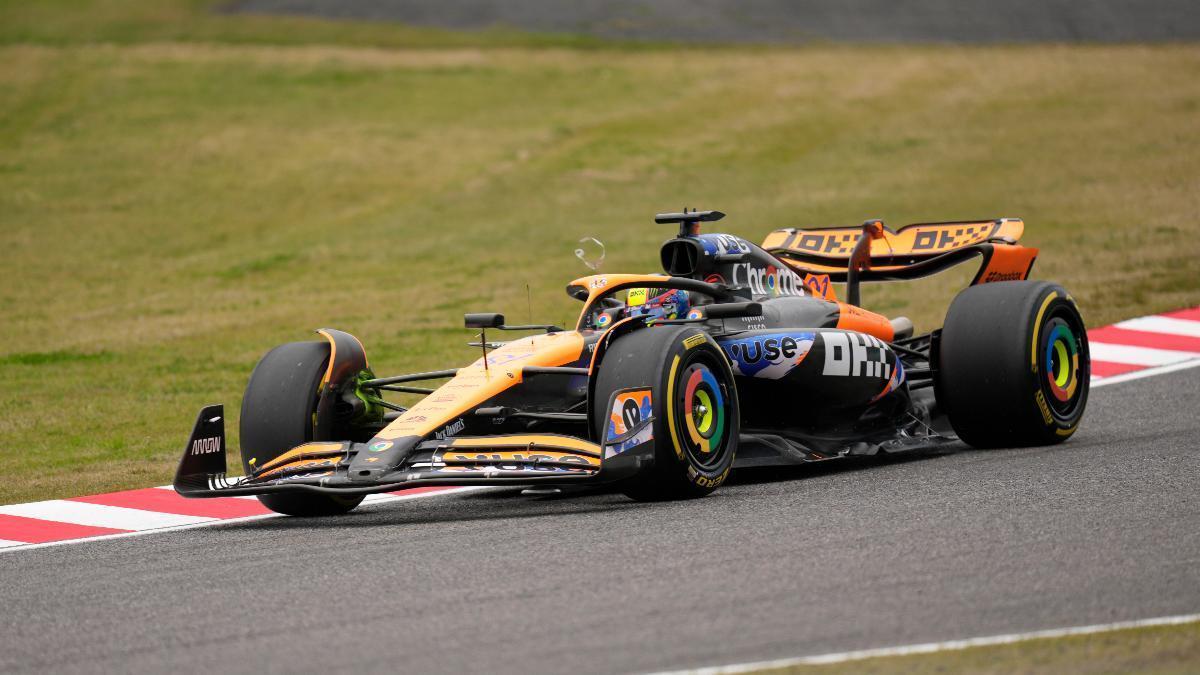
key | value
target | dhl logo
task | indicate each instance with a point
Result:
(930, 238)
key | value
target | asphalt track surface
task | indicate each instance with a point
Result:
(785, 21)
(776, 564)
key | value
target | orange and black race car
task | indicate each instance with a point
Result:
(737, 355)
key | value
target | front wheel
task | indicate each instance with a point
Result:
(279, 412)
(680, 376)
(1013, 366)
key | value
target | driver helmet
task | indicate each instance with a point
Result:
(659, 303)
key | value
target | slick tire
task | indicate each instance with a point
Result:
(278, 412)
(1013, 366)
(693, 400)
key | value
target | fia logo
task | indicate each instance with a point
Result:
(855, 355)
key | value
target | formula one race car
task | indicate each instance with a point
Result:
(738, 355)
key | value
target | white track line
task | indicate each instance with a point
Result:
(1141, 356)
(1162, 324)
(1148, 372)
(96, 515)
(931, 647)
(5, 543)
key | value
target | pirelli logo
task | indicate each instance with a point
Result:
(693, 341)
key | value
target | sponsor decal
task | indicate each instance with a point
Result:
(298, 467)
(826, 243)
(940, 238)
(603, 320)
(718, 244)
(758, 322)
(508, 460)
(1045, 409)
(371, 460)
(1003, 276)
(598, 282)
(520, 457)
(770, 280)
(499, 358)
(695, 314)
(693, 341)
(727, 243)
(629, 409)
(704, 481)
(819, 284)
(491, 469)
(452, 429)
(379, 446)
(637, 296)
(855, 355)
(928, 238)
(206, 446)
(893, 383)
(305, 476)
(301, 466)
(770, 356)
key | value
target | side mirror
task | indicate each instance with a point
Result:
(484, 320)
(733, 310)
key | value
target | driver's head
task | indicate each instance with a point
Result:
(660, 303)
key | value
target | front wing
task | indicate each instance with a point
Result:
(322, 467)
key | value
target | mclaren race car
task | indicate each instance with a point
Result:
(736, 355)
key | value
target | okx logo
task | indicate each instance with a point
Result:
(855, 355)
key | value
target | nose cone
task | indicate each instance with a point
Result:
(380, 456)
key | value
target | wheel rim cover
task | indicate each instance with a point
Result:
(705, 428)
(1062, 363)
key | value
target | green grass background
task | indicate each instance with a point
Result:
(181, 189)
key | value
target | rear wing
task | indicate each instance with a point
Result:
(911, 252)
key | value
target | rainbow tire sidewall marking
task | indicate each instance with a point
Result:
(1062, 362)
(700, 387)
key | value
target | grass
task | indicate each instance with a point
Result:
(181, 190)
(1158, 650)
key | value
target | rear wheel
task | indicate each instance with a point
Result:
(693, 400)
(1013, 364)
(279, 411)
